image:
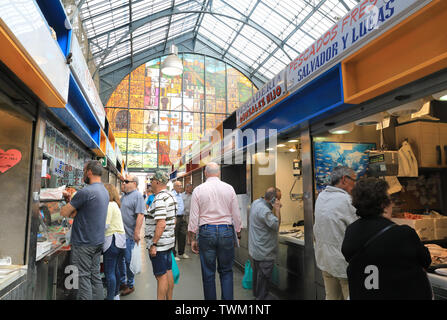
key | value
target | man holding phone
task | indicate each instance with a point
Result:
(265, 219)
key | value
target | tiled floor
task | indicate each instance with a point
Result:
(190, 283)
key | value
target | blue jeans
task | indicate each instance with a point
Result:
(111, 271)
(124, 265)
(217, 243)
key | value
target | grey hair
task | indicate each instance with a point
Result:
(338, 173)
(270, 194)
(212, 168)
(134, 179)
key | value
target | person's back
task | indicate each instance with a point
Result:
(216, 218)
(333, 213)
(216, 200)
(115, 220)
(89, 208)
(397, 258)
(91, 204)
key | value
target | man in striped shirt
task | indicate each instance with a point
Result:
(160, 234)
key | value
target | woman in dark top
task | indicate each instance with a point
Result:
(391, 266)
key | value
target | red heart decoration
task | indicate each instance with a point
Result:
(9, 159)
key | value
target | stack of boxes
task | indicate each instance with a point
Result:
(431, 227)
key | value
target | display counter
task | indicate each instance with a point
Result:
(53, 251)
(10, 276)
(51, 274)
(288, 272)
(439, 285)
(290, 234)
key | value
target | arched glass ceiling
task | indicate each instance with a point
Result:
(259, 37)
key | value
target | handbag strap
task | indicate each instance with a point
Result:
(371, 240)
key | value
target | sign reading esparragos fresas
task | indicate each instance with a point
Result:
(367, 17)
(261, 100)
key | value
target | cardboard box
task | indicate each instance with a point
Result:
(425, 228)
(440, 228)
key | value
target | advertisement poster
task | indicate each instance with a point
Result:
(329, 155)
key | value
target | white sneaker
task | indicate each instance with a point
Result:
(117, 297)
(184, 256)
(177, 259)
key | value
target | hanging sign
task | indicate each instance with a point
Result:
(9, 159)
(85, 81)
(271, 93)
(368, 18)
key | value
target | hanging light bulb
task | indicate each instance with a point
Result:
(172, 65)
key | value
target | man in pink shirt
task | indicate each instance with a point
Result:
(215, 217)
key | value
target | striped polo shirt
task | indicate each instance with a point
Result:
(164, 207)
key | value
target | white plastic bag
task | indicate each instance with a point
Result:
(135, 260)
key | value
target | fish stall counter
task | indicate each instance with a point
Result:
(437, 272)
(288, 272)
(291, 234)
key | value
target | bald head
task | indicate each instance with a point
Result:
(178, 186)
(212, 169)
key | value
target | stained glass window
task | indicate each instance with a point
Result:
(156, 117)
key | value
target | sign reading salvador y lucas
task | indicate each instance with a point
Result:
(267, 96)
(369, 16)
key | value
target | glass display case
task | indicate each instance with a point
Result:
(62, 170)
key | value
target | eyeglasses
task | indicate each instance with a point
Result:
(351, 178)
(127, 181)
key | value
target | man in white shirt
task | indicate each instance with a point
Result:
(333, 213)
(180, 224)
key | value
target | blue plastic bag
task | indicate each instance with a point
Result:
(247, 280)
(175, 269)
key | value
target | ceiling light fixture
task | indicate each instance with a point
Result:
(441, 96)
(293, 141)
(370, 121)
(172, 65)
(345, 129)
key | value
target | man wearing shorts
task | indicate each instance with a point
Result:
(160, 234)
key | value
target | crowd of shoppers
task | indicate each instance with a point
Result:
(354, 236)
